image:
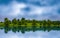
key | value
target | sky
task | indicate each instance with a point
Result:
(30, 9)
(37, 34)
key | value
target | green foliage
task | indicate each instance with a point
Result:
(29, 25)
(6, 21)
(23, 21)
(14, 21)
(18, 22)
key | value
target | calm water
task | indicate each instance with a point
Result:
(37, 34)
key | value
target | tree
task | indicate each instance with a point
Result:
(23, 21)
(6, 21)
(44, 25)
(49, 22)
(34, 25)
(44, 22)
(19, 22)
(14, 21)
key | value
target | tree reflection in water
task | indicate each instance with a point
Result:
(24, 29)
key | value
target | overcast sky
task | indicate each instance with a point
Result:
(30, 9)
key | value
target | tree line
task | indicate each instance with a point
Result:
(29, 25)
(23, 21)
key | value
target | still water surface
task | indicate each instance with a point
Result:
(37, 34)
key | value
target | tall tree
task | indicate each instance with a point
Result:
(23, 21)
(6, 21)
(48, 22)
(14, 21)
(44, 24)
(34, 25)
(19, 22)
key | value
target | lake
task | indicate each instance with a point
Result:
(30, 34)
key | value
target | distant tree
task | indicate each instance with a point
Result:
(49, 22)
(23, 21)
(1, 22)
(19, 22)
(44, 23)
(33, 22)
(34, 25)
(6, 21)
(14, 21)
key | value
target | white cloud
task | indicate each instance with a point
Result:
(42, 10)
(46, 12)
(14, 8)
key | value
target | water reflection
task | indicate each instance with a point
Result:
(37, 34)
(24, 29)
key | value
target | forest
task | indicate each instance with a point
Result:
(23, 25)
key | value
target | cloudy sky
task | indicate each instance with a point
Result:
(30, 9)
